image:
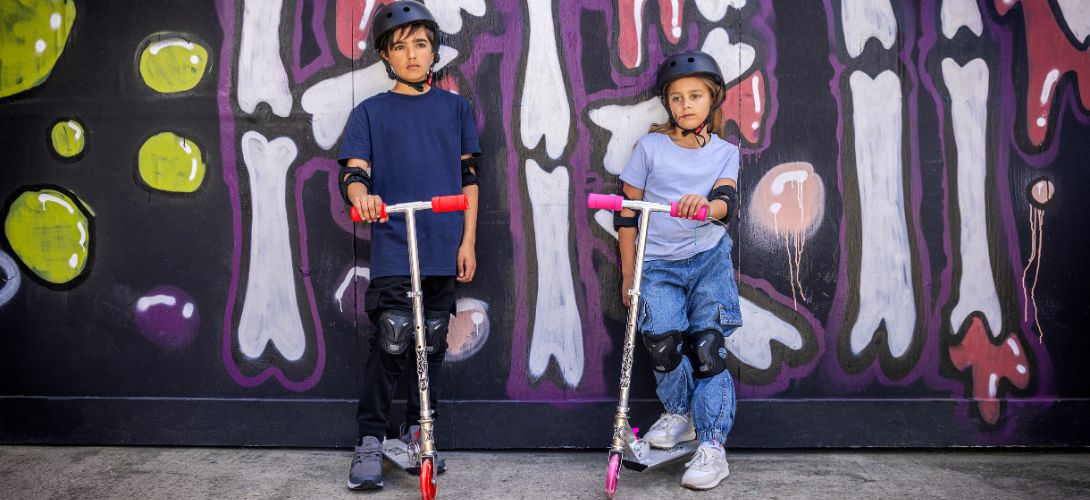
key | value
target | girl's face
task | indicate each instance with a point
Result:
(410, 53)
(690, 101)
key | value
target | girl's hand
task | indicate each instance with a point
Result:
(467, 263)
(626, 285)
(369, 206)
(690, 204)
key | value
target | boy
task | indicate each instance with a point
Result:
(408, 144)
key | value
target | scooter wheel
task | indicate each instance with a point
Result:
(613, 475)
(427, 479)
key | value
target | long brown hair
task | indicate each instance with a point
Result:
(717, 125)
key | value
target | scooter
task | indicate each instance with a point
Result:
(417, 457)
(627, 448)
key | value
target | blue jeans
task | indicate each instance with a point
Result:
(693, 295)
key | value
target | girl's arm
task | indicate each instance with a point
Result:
(717, 208)
(626, 241)
(690, 204)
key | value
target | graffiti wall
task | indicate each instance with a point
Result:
(177, 266)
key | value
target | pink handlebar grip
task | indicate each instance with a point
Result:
(356, 214)
(605, 201)
(453, 203)
(700, 214)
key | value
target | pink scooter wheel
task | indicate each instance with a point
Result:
(613, 475)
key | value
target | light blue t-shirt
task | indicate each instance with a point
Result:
(666, 172)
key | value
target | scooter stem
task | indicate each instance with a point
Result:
(620, 422)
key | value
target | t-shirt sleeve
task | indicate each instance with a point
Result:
(357, 137)
(470, 143)
(730, 166)
(635, 171)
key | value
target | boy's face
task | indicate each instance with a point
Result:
(410, 53)
(690, 101)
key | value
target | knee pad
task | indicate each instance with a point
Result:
(395, 330)
(707, 352)
(665, 350)
(436, 325)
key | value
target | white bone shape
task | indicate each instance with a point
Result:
(866, 19)
(557, 331)
(885, 274)
(545, 112)
(270, 313)
(261, 73)
(968, 87)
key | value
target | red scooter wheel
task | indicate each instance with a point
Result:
(613, 474)
(427, 479)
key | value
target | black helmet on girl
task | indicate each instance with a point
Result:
(686, 64)
(404, 13)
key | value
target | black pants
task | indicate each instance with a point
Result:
(381, 369)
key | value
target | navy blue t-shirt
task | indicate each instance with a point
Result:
(414, 144)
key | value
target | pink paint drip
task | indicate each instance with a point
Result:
(1051, 56)
(989, 364)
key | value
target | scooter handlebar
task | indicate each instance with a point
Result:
(605, 201)
(700, 215)
(452, 203)
(356, 214)
(614, 203)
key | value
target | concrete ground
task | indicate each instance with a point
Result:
(133, 472)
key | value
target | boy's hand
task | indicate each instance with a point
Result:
(369, 206)
(467, 263)
(690, 204)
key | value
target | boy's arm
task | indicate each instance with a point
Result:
(368, 206)
(626, 241)
(467, 260)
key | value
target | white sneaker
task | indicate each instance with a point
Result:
(670, 430)
(707, 468)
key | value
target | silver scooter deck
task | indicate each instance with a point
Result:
(639, 455)
(405, 456)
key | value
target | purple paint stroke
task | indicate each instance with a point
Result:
(225, 10)
(300, 72)
(935, 330)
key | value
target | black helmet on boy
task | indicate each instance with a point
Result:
(685, 64)
(403, 13)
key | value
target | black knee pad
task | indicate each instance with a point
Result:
(395, 331)
(665, 349)
(436, 325)
(707, 352)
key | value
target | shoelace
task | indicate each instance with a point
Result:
(667, 421)
(703, 456)
(362, 452)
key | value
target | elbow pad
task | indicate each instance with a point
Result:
(729, 195)
(469, 172)
(349, 175)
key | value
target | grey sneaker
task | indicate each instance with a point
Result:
(366, 471)
(410, 437)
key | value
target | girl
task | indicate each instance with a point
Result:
(689, 299)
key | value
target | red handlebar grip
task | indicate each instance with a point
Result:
(356, 214)
(605, 201)
(700, 215)
(453, 203)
